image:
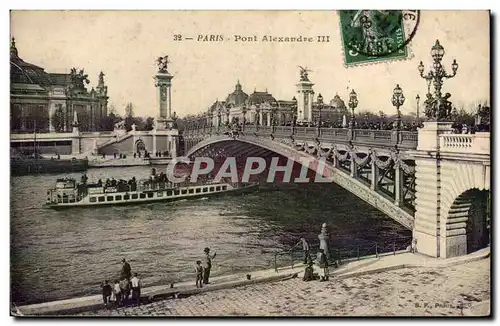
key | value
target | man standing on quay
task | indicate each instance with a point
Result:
(208, 265)
(126, 270)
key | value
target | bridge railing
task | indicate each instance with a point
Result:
(406, 139)
(478, 143)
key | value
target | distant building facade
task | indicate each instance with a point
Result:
(48, 101)
(262, 108)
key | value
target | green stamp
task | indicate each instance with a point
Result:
(377, 35)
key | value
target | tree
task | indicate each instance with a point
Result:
(149, 123)
(58, 119)
(83, 120)
(129, 116)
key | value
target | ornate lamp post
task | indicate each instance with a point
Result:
(228, 111)
(320, 107)
(257, 117)
(274, 109)
(418, 109)
(353, 103)
(210, 120)
(398, 100)
(294, 114)
(204, 120)
(219, 117)
(437, 111)
(244, 111)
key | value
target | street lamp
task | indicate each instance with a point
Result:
(274, 119)
(294, 113)
(228, 111)
(210, 121)
(436, 76)
(418, 109)
(320, 107)
(244, 111)
(219, 117)
(398, 100)
(353, 103)
(257, 117)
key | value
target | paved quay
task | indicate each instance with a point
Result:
(423, 291)
(230, 286)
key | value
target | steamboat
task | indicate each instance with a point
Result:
(70, 193)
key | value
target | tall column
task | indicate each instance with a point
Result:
(260, 118)
(305, 97)
(163, 83)
(268, 119)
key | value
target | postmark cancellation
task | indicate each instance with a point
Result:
(371, 36)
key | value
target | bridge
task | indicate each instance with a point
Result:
(431, 181)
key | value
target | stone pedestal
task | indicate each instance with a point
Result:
(163, 83)
(324, 239)
(305, 98)
(427, 228)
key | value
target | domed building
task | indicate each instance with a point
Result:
(337, 103)
(48, 101)
(238, 97)
(262, 108)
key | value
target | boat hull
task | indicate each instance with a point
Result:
(139, 201)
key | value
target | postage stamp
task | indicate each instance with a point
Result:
(370, 36)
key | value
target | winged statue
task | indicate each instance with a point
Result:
(304, 73)
(162, 63)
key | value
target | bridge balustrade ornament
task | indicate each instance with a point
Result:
(326, 152)
(287, 142)
(310, 149)
(362, 161)
(315, 149)
(341, 157)
(381, 164)
(300, 147)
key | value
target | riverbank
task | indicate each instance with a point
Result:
(461, 290)
(358, 270)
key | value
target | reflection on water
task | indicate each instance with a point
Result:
(67, 253)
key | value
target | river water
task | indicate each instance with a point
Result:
(68, 253)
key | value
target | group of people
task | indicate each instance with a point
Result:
(127, 290)
(120, 185)
(124, 291)
(161, 154)
(203, 271)
(321, 263)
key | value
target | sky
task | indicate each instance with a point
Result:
(126, 44)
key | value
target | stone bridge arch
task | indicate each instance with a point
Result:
(465, 208)
(140, 146)
(290, 150)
